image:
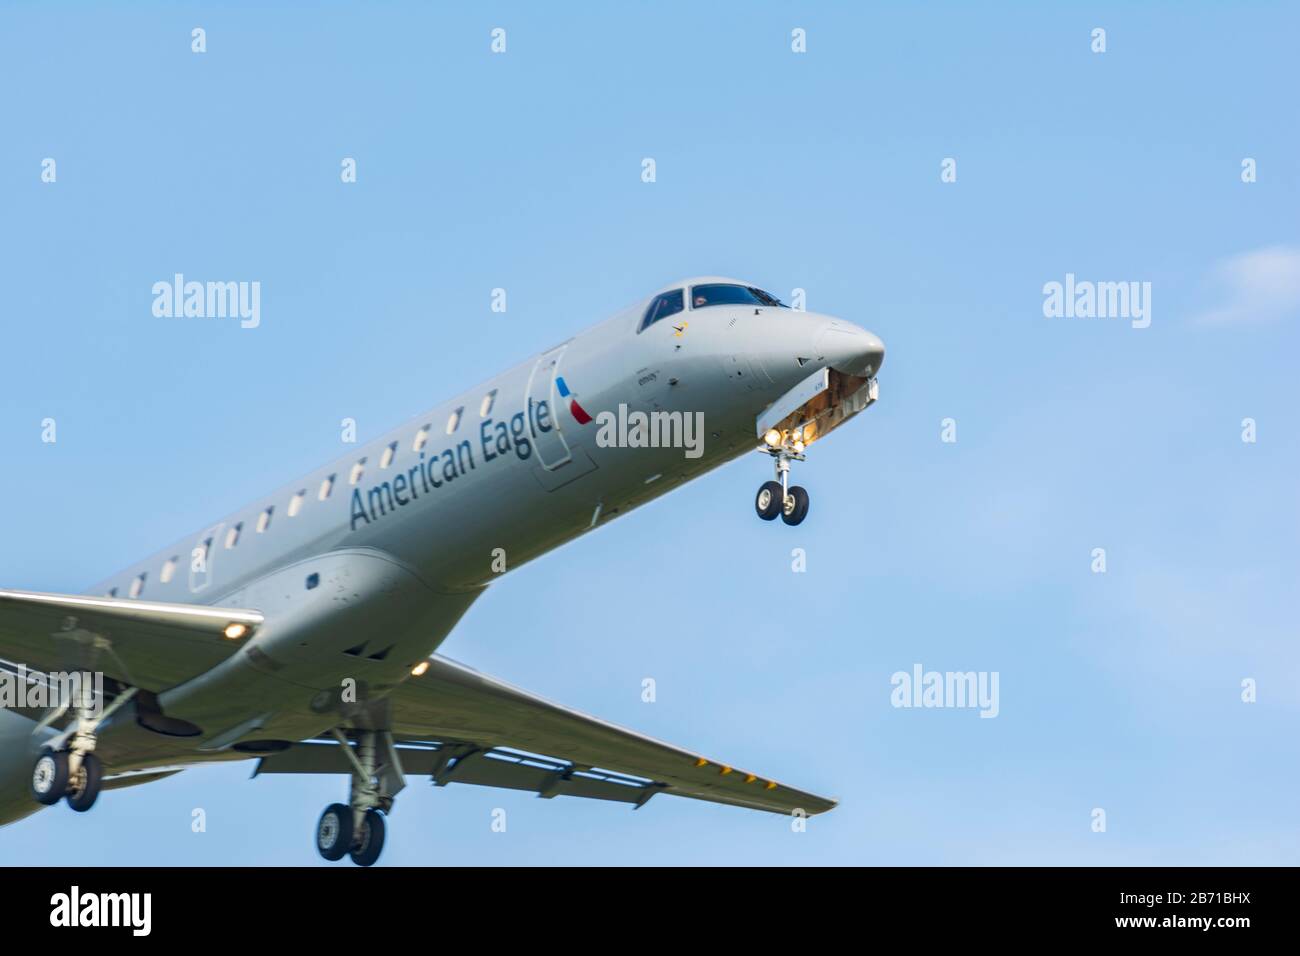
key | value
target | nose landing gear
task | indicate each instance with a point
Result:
(795, 507)
(769, 500)
(779, 497)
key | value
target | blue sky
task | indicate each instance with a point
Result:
(821, 171)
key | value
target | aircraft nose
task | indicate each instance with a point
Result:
(852, 350)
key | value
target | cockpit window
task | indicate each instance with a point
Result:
(703, 296)
(662, 306)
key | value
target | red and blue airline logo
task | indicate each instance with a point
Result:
(577, 410)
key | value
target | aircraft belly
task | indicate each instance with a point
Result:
(354, 635)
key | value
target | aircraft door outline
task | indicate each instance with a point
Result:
(552, 450)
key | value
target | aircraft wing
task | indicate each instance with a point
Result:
(462, 726)
(146, 644)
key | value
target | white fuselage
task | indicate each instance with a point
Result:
(363, 566)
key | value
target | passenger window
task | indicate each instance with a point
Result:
(326, 487)
(486, 408)
(662, 306)
(232, 536)
(387, 458)
(168, 570)
(357, 471)
(295, 503)
(137, 586)
(454, 422)
(421, 437)
(264, 519)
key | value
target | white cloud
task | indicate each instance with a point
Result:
(1258, 286)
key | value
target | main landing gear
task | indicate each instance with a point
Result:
(779, 497)
(67, 766)
(357, 829)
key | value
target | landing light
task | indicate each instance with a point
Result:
(419, 669)
(773, 437)
(810, 431)
(235, 631)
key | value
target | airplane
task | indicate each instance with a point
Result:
(302, 629)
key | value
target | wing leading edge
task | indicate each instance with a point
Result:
(146, 644)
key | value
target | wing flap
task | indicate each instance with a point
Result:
(455, 762)
(454, 703)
